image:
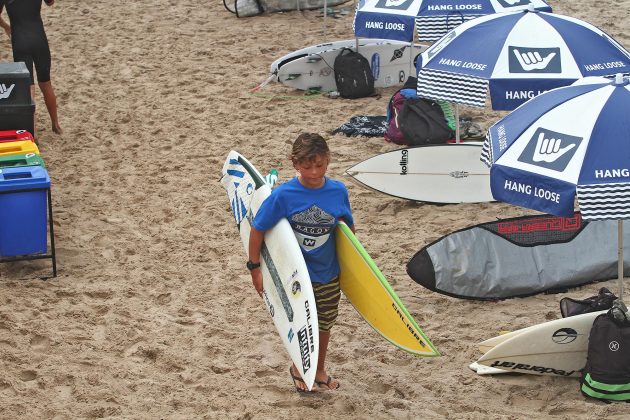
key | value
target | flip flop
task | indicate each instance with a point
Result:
(297, 379)
(326, 384)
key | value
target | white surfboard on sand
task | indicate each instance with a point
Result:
(287, 289)
(391, 63)
(319, 48)
(556, 348)
(443, 173)
(245, 8)
(485, 370)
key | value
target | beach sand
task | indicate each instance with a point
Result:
(153, 314)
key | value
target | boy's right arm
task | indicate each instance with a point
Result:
(256, 238)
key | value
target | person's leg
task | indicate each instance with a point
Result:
(51, 104)
(42, 62)
(34, 116)
(321, 377)
(327, 300)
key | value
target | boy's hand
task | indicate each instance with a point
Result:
(257, 280)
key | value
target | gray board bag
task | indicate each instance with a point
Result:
(520, 257)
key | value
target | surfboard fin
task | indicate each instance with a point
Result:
(272, 178)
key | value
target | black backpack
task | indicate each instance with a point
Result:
(353, 75)
(422, 121)
(606, 376)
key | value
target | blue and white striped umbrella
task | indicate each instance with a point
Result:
(571, 139)
(574, 139)
(395, 19)
(516, 55)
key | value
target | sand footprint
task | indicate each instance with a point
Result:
(28, 375)
(40, 343)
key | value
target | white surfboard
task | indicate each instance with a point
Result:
(287, 289)
(443, 173)
(556, 348)
(246, 8)
(319, 48)
(391, 63)
(485, 370)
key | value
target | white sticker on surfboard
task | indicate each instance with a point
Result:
(288, 293)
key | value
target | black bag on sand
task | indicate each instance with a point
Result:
(601, 302)
(606, 376)
(353, 75)
(422, 122)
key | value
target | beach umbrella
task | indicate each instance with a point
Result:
(516, 56)
(396, 19)
(571, 142)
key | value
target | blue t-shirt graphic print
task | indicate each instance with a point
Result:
(313, 214)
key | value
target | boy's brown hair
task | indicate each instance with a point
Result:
(307, 146)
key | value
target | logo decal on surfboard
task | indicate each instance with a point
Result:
(564, 336)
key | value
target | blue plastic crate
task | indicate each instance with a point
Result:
(23, 210)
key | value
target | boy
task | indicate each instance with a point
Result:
(313, 204)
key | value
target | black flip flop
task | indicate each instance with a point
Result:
(297, 379)
(326, 384)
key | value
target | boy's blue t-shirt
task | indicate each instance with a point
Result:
(313, 214)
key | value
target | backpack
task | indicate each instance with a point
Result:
(606, 376)
(353, 75)
(396, 102)
(422, 121)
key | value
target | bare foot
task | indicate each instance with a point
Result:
(57, 129)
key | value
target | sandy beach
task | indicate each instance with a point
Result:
(153, 314)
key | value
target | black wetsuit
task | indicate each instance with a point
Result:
(28, 37)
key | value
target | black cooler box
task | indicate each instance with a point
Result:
(17, 109)
(15, 84)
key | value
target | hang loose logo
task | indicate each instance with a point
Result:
(4, 91)
(534, 60)
(550, 149)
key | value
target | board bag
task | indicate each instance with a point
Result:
(606, 376)
(422, 121)
(353, 75)
(396, 102)
(600, 302)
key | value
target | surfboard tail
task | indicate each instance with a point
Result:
(372, 296)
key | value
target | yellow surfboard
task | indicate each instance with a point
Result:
(371, 295)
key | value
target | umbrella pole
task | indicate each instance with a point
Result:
(620, 257)
(457, 140)
(325, 15)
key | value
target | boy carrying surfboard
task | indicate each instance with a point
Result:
(313, 204)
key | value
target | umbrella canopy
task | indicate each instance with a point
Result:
(574, 139)
(395, 19)
(568, 140)
(517, 55)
